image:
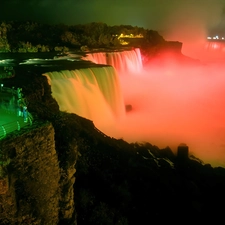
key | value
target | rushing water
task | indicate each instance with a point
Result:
(178, 105)
(174, 104)
(122, 61)
(93, 93)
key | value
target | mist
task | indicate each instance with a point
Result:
(172, 105)
(190, 22)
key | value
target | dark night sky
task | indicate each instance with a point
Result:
(161, 15)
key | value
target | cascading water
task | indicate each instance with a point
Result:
(170, 105)
(123, 61)
(92, 93)
(218, 46)
(173, 105)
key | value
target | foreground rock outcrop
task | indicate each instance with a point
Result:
(31, 171)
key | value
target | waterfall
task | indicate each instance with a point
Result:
(169, 105)
(215, 46)
(122, 61)
(93, 93)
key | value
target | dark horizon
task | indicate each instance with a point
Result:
(151, 14)
(177, 20)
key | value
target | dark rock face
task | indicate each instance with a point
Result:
(31, 170)
(128, 108)
(172, 46)
(137, 185)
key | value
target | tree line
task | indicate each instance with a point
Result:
(31, 36)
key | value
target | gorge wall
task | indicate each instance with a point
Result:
(30, 187)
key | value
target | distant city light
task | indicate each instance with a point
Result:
(215, 38)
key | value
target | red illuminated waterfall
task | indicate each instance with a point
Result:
(122, 61)
(92, 93)
(218, 46)
(170, 105)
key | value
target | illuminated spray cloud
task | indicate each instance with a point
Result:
(170, 105)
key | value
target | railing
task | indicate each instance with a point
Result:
(10, 106)
(9, 90)
(10, 127)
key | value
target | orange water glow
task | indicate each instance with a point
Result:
(175, 104)
(171, 103)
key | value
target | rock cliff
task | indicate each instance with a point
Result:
(31, 173)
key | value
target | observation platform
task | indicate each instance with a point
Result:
(9, 118)
(10, 122)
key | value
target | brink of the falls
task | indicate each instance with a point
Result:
(93, 93)
(169, 105)
(128, 61)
